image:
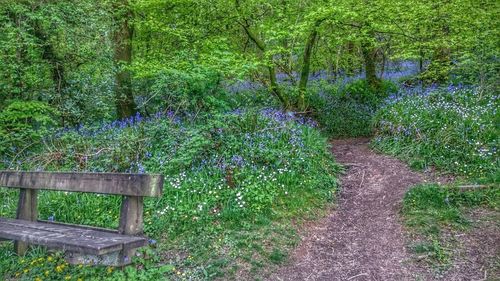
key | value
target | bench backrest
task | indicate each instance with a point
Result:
(133, 187)
(142, 185)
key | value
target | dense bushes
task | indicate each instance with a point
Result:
(23, 124)
(198, 90)
(223, 172)
(346, 109)
(454, 129)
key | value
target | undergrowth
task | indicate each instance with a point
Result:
(453, 129)
(346, 109)
(234, 183)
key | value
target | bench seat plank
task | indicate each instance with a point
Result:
(66, 238)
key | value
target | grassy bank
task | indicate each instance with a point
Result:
(453, 129)
(235, 182)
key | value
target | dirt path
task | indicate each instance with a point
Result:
(363, 238)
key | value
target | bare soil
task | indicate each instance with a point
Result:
(363, 238)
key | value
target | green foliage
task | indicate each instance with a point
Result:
(41, 265)
(24, 123)
(57, 52)
(361, 92)
(346, 110)
(235, 180)
(454, 129)
(182, 91)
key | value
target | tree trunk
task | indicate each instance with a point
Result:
(124, 98)
(369, 55)
(306, 64)
(421, 63)
(274, 85)
(382, 70)
(275, 90)
(440, 66)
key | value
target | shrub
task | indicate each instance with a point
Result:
(24, 122)
(181, 91)
(346, 110)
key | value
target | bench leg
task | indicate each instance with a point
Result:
(27, 209)
(131, 223)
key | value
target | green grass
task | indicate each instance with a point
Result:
(234, 184)
(430, 210)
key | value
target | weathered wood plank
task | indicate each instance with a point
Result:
(76, 230)
(80, 226)
(126, 246)
(27, 209)
(106, 183)
(81, 240)
(111, 259)
(131, 216)
(131, 223)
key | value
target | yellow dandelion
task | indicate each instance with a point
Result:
(38, 279)
(68, 277)
(25, 271)
(47, 273)
(49, 259)
(110, 270)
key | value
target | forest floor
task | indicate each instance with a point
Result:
(363, 238)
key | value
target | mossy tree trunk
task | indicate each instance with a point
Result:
(306, 65)
(370, 58)
(124, 98)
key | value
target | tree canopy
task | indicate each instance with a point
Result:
(114, 58)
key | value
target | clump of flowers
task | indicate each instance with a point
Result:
(454, 128)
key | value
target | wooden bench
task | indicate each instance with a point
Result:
(82, 244)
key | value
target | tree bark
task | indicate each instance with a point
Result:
(369, 55)
(306, 65)
(384, 61)
(124, 98)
